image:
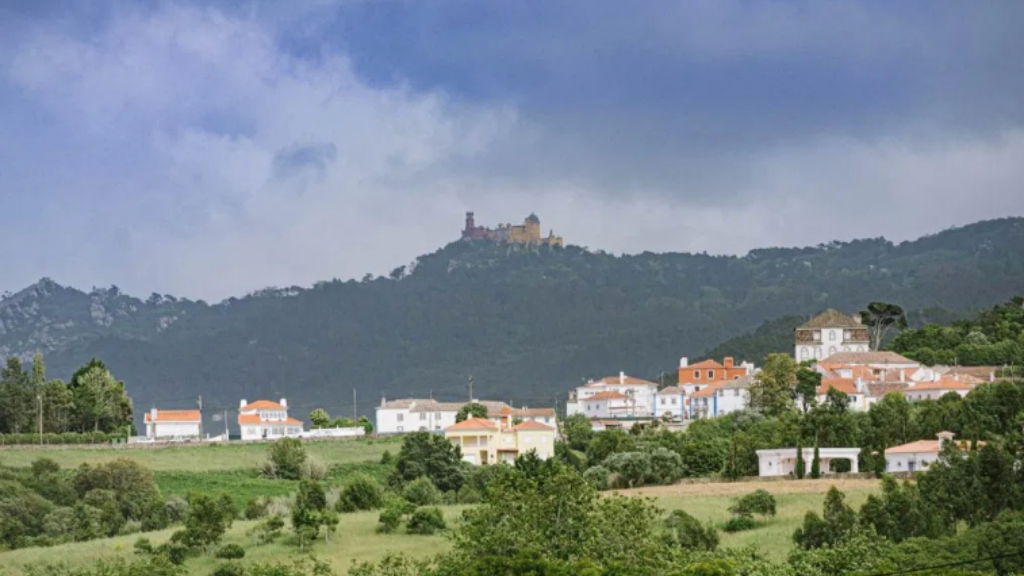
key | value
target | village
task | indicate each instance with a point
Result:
(833, 344)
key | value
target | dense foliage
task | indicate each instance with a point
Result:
(994, 337)
(519, 319)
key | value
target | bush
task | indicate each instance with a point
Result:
(687, 532)
(286, 457)
(230, 552)
(256, 508)
(361, 493)
(313, 469)
(666, 466)
(391, 516)
(268, 530)
(599, 477)
(739, 524)
(467, 495)
(229, 569)
(177, 552)
(42, 466)
(422, 492)
(176, 508)
(386, 459)
(757, 502)
(426, 521)
(631, 469)
(143, 546)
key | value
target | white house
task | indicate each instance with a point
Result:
(173, 424)
(855, 390)
(782, 461)
(919, 455)
(829, 333)
(670, 402)
(412, 414)
(266, 420)
(639, 397)
(720, 398)
(937, 389)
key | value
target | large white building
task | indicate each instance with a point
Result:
(829, 333)
(613, 397)
(782, 461)
(721, 398)
(165, 424)
(266, 420)
(415, 415)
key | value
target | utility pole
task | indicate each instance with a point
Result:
(354, 409)
(470, 388)
(227, 433)
(200, 416)
(40, 398)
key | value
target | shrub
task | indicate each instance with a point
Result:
(313, 469)
(739, 524)
(386, 459)
(666, 466)
(467, 495)
(757, 502)
(391, 516)
(176, 551)
(143, 546)
(361, 493)
(687, 532)
(42, 466)
(426, 521)
(176, 508)
(287, 457)
(631, 469)
(598, 476)
(228, 507)
(421, 492)
(229, 569)
(230, 552)
(256, 508)
(268, 530)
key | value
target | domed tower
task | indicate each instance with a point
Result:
(533, 228)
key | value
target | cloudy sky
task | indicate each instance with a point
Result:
(210, 149)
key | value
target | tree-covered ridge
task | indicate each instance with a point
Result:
(994, 337)
(525, 322)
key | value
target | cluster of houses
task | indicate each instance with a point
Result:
(836, 344)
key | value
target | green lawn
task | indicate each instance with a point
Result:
(202, 458)
(775, 536)
(355, 540)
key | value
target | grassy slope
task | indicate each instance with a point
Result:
(202, 458)
(357, 539)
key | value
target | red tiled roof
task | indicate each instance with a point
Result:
(878, 390)
(878, 357)
(943, 384)
(671, 390)
(607, 396)
(174, 416)
(625, 381)
(532, 425)
(708, 391)
(703, 364)
(844, 385)
(926, 447)
(262, 405)
(473, 424)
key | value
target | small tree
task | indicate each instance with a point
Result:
(287, 456)
(361, 493)
(688, 533)
(421, 492)
(310, 512)
(799, 461)
(230, 552)
(881, 318)
(757, 502)
(837, 522)
(426, 521)
(205, 521)
(319, 418)
(816, 463)
(471, 410)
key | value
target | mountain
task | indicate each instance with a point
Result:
(526, 323)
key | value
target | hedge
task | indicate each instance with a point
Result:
(64, 438)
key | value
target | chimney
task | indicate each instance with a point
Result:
(856, 318)
(383, 400)
(859, 382)
(944, 437)
(622, 377)
(284, 402)
(729, 362)
(684, 362)
(152, 414)
(242, 404)
(903, 375)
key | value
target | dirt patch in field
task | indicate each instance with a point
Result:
(739, 488)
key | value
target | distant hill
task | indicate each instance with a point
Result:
(526, 322)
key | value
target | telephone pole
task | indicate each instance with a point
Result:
(40, 399)
(470, 388)
(200, 416)
(227, 433)
(354, 405)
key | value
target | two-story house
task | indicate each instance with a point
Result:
(613, 397)
(164, 424)
(266, 420)
(829, 333)
(484, 441)
(420, 415)
(694, 378)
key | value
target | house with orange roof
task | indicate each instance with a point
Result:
(855, 390)
(720, 398)
(167, 424)
(613, 396)
(934, 390)
(266, 420)
(696, 377)
(484, 441)
(919, 455)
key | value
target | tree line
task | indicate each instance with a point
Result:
(93, 401)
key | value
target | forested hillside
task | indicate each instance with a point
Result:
(525, 323)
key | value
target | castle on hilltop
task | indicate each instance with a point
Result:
(527, 233)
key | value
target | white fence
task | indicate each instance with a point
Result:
(354, 432)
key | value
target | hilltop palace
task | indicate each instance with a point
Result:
(527, 233)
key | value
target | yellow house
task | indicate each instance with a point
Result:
(487, 442)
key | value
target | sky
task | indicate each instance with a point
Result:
(207, 150)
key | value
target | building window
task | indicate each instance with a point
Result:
(400, 417)
(547, 419)
(804, 354)
(588, 407)
(662, 401)
(696, 374)
(711, 374)
(673, 400)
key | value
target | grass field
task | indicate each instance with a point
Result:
(357, 540)
(203, 457)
